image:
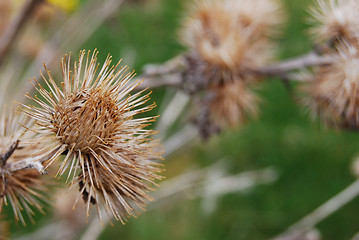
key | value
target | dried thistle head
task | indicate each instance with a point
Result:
(334, 90)
(233, 104)
(336, 20)
(228, 41)
(90, 119)
(229, 38)
(23, 188)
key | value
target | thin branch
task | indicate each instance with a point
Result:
(355, 237)
(34, 162)
(180, 139)
(173, 80)
(12, 31)
(171, 113)
(207, 183)
(4, 157)
(171, 72)
(308, 60)
(174, 65)
(322, 212)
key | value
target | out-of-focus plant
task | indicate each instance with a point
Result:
(227, 42)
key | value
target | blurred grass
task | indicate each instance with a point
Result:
(313, 162)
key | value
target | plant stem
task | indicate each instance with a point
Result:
(307, 60)
(170, 74)
(12, 31)
(322, 212)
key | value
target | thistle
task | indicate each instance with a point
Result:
(334, 90)
(90, 119)
(22, 188)
(228, 41)
(336, 20)
(230, 38)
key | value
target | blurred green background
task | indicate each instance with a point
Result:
(313, 162)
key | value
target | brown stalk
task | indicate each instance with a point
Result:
(13, 30)
(4, 157)
(322, 212)
(170, 74)
(307, 60)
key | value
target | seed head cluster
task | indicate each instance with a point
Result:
(90, 120)
(228, 40)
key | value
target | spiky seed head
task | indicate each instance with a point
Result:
(336, 20)
(233, 104)
(229, 38)
(333, 95)
(23, 189)
(90, 119)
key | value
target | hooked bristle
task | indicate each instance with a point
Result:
(90, 118)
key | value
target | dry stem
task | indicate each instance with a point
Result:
(12, 31)
(32, 162)
(307, 60)
(170, 74)
(322, 212)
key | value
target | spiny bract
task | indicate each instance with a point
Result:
(90, 120)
